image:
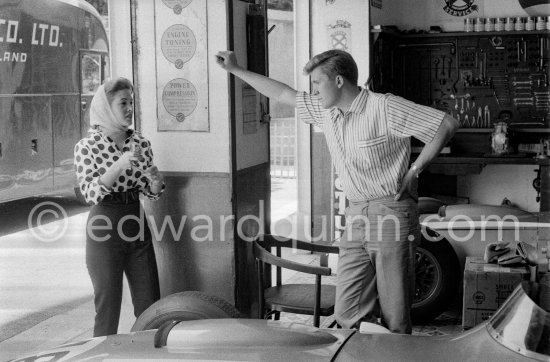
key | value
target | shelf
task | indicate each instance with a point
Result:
(510, 160)
(510, 129)
(530, 130)
(475, 130)
(463, 33)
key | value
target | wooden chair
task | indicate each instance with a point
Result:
(311, 299)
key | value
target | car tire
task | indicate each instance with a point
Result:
(437, 279)
(184, 306)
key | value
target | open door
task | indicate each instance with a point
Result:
(250, 145)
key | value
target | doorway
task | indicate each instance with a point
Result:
(283, 157)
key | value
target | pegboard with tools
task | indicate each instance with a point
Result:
(478, 78)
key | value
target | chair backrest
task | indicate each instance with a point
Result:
(267, 257)
(268, 241)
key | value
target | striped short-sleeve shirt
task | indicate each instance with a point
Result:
(370, 143)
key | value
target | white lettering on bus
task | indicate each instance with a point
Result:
(11, 36)
(54, 35)
(43, 28)
(14, 57)
(11, 31)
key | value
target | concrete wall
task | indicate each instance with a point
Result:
(197, 167)
(356, 13)
(214, 178)
(185, 151)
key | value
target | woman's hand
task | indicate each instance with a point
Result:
(156, 180)
(127, 160)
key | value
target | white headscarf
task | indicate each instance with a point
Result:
(102, 115)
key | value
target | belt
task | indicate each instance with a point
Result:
(382, 199)
(376, 200)
(124, 197)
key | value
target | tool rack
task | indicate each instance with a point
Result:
(479, 78)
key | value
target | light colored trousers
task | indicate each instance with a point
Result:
(376, 263)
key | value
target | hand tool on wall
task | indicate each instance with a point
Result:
(487, 116)
(479, 117)
(436, 64)
(496, 97)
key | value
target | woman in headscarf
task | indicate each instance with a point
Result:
(114, 165)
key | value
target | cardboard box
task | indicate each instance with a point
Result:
(486, 287)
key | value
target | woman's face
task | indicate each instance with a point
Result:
(123, 106)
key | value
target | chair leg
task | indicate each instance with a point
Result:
(273, 313)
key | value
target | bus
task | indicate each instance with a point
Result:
(54, 54)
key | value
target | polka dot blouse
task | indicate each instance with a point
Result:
(94, 154)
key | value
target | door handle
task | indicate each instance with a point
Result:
(34, 147)
(83, 105)
(265, 117)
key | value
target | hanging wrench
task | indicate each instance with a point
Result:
(487, 117)
(461, 105)
(449, 60)
(481, 122)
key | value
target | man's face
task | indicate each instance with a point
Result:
(325, 88)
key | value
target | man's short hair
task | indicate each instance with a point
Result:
(334, 62)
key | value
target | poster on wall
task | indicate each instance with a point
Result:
(339, 35)
(182, 65)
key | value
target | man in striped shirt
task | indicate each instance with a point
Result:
(368, 135)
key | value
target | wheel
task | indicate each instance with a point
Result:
(184, 306)
(437, 279)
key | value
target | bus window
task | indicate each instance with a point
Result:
(91, 77)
